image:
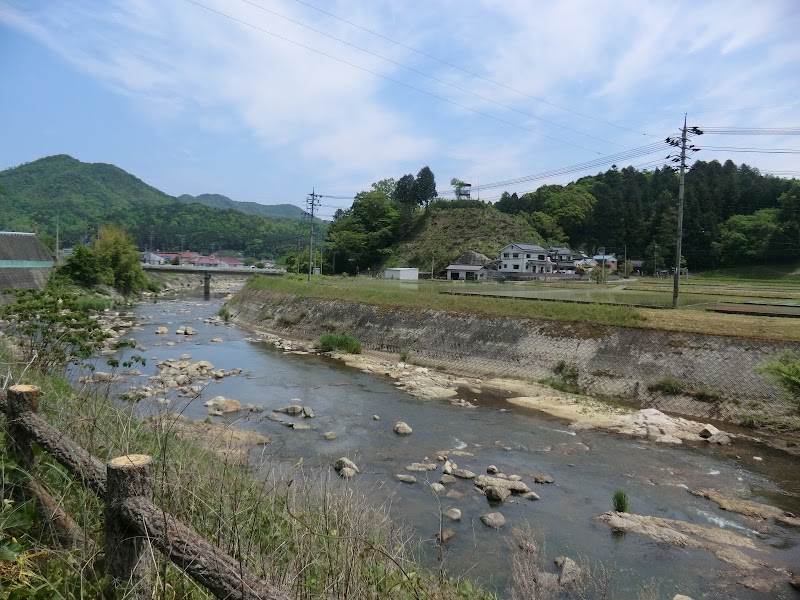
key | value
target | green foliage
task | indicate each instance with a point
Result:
(405, 355)
(669, 386)
(53, 328)
(566, 379)
(329, 342)
(82, 266)
(84, 194)
(620, 501)
(785, 371)
(706, 394)
(224, 313)
(599, 274)
(119, 260)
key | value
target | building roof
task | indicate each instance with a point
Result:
(231, 260)
(401, 269)
(464, 267)
(559, 250)
(527, 247)
(206, 260)
(605, 257)
(19, 246)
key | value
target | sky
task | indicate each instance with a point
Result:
(265, 100)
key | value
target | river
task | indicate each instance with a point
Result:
(586, 466)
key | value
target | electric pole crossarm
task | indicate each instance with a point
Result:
(679, 240)
(312, 202)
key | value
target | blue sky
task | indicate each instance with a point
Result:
(193, 101)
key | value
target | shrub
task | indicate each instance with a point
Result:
(706, 394)
(405, 355)
(786, 373)
(620, 500)
(329, 342)
(669, 386)
(224, 313)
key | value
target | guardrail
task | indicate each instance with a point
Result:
(133, 523)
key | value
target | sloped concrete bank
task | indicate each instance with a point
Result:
(716, 375)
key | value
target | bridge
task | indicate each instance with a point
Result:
(207, 272)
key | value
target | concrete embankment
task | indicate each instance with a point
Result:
(706, 376)
(23, 278)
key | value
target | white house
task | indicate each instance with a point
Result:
(466, 272)
(404, 273)
(525, 258)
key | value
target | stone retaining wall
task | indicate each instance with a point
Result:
(717, 374)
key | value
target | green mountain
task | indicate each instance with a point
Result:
(84, 196)
(271, 211)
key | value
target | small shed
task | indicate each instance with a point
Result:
(466, 272)
(403, 273)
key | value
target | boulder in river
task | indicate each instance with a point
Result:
(494, 520)
(463, 473)
(292, 409)
(447, 479)
(161, 330)
(308, 412)
(445, 535)
(329, 435)
(347, 473)
(402, 428)
(421, 467)
(541, 478)
(345, 463)
(496, 494)
(570, 571)
(406, 478)
(453, 514)
(707, 431)
(515, 487)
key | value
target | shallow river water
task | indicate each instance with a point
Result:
(587, 466)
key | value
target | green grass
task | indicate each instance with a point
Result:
(669, 386)
(620, 501)
(760, 273)
(329, 342)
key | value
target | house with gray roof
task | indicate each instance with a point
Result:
(525, 259)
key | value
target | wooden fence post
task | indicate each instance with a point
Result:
(21, 399)
(128, 555)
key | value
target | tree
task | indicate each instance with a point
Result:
(119, 260)
(82, 266)
(458, 187)
(405, 193)
(425, 186)
(386, 186)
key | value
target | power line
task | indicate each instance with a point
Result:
(395, 81)
(753, 150)
(431, 77)
(776, 131)
(478, 75)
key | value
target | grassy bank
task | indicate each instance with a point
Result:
(311, 535)
(427, 295)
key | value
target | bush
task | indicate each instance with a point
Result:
(669, 386)
(706, 394)
(224, 313)
(329, 342)
(786, 373)
(620, 500)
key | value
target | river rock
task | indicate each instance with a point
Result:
(463, 473)
(720, 438)
(161, 330)
(276, 418)
(190, 331)
(180, 331)
(376, 417)
(453, 514)
(445, 535)
(102, 377)
(707, 431)
(406, 478)
(570, 571)
(496, 494)
(494, 520)
(347, 473)
(345, 463)
(447, 479)
(186, 357)
(515, 487)
(680, 597)
(421, 467)
(437, 487)
(229, 405)
(300, 427)
(402, 428)
(308, 412)
(514, 478)
(293, 409)
(795, 582)
(541, 478)
(530, 496)
(492, 470)
(329, 435)
(447, 467)
(216, 340)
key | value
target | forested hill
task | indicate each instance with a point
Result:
(271, 211)
(733, 214)
(88, 195)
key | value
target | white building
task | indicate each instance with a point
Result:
(524, 258)
(404, 273)
(466, 272)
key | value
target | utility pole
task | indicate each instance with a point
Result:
(312, 202)
(152, 235)
(57, 239)
(679, 240)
